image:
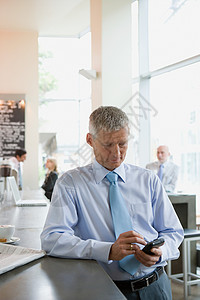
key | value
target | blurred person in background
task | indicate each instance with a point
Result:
(17, 164)
(166, 169)
(51, 177)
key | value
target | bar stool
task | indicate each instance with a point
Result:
(5, 171)
(188, 278)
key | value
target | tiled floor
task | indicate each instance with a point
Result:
(177, 292)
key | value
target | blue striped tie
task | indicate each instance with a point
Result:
(121, 220)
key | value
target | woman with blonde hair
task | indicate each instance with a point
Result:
(51, 177)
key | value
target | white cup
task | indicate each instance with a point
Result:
(6, 232)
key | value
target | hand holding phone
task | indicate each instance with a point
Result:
(153, 244)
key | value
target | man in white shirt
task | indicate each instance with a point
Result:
(166, 170)
(17, 164)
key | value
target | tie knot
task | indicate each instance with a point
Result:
(112, 177)
(161, 166)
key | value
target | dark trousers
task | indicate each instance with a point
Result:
(158, 290)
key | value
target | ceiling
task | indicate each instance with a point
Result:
(59, 18)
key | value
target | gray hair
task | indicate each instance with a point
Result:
(107, 118)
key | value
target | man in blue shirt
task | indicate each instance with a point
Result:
(79, 222)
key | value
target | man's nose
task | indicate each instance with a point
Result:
(116, 150)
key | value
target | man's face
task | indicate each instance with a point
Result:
(162, 154)
(21, 158)
(109, 147)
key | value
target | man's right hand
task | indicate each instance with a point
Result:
(125, 245)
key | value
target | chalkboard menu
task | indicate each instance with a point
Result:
(12, 123)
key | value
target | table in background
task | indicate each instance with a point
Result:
(49, 277)
(185, 207)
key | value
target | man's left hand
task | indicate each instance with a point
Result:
(146, 259)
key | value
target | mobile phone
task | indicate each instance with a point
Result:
(153, 244)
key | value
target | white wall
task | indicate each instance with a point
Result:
(19, 74)
(116, 52)
(111, 55)
(111, 51)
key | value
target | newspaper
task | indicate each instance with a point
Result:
(12, 257)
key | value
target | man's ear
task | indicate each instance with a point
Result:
(89, 139)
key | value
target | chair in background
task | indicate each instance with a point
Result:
(187, 278)
(5, 171)
(15, 174)
(1, 189)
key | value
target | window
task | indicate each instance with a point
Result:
(170, 84)
(135, 39)
(65, 102)
(173, 31)
(176, 96)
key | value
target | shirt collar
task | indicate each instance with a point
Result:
(164, 164)
(100, 172)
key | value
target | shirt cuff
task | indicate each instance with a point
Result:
(101, 251)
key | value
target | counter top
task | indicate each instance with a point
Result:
(49, 277)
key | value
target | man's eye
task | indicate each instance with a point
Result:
(122, 144)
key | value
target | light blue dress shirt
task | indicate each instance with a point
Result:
(79, 222)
